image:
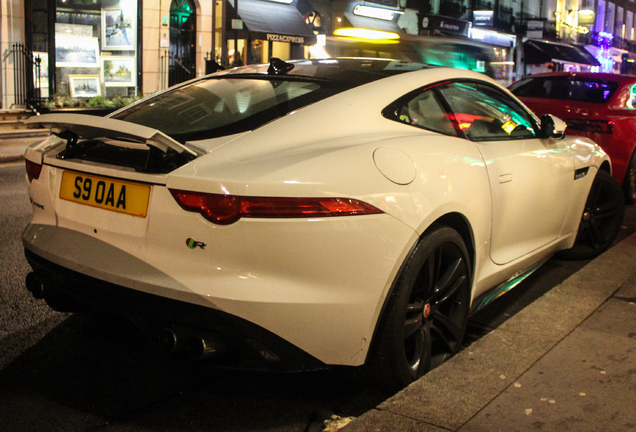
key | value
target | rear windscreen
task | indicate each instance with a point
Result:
(578, 89)
(218, 107)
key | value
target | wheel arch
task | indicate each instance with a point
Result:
(628, 182)
(606, 166)
(460, 224)
(453, 220)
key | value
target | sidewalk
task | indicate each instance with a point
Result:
(13, 144)
(567, 362)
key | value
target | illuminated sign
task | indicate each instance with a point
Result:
(483, 17)
(285, 38)
(374, 12)
(388, 3)
(604, 56)
(587, 17)
(580, 29)
(369, 34)
(436, 22)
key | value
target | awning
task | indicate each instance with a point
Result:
(274, 22)
(539, 52)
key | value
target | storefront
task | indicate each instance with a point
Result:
(96, 48)
(257, 30)
(545, 56)
(116, 48)
(371, 29)
(502, 52)
(131, 48)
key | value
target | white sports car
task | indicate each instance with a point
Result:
(310, 213)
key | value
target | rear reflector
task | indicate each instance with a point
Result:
(226, 209)
(591, 126)
(33, 170)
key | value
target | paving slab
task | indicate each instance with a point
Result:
(585, 384)
(452, 394)
(567, 362)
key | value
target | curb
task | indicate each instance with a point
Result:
(23, 133)
(14, 144)
(448, 397)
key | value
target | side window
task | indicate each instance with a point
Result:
(630, 100)
(421, 109)
(531, 87)
(485, 113)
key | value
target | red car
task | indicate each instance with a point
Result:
(599, 106)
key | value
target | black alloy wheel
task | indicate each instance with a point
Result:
(426, 315)
(629, 184)
(601, 219)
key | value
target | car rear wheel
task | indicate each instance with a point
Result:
(629, 185)
(426, 315)
(601, 219)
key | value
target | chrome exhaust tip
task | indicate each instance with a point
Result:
(201, 347)
(169, 341)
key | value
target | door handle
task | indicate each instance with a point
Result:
(505, 178)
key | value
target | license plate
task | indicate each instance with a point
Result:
(105, 193)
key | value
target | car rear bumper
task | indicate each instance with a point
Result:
(331, 316)
(243, 344)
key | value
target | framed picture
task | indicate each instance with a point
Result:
(73, 51)
(84, 85)
(118, 29)
(119, 71)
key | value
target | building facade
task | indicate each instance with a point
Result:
(131, 48)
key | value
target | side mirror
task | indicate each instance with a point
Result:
(552, 127)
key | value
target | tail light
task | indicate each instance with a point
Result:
(33, 170)
(591, 126)
(227, 209)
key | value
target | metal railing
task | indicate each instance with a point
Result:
(178, 71)
(27, 76)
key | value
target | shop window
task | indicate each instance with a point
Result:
(96, 48)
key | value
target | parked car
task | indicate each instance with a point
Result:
(303, 214)
(599, 106)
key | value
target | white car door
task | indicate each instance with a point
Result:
(531, 178)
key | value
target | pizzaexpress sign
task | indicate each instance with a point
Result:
(285, 38)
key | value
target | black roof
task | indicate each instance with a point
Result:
(352, 71)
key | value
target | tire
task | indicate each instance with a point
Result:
(601, 219)
(425, 318)
(629, 183)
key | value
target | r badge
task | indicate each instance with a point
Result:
(194, 244)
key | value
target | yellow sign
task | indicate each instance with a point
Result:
(509, 126)
(104, 193)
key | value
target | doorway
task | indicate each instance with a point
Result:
(182, 62)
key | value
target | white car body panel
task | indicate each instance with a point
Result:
(536, 168)
(247, 282)
(381, 162)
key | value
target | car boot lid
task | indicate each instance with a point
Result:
(88, 127)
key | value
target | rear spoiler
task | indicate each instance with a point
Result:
(89, 127)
